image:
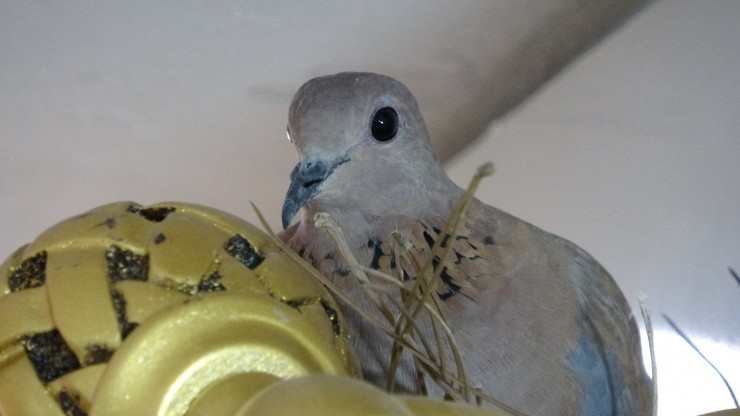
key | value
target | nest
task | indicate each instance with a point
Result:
(439, 358)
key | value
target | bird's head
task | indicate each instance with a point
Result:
(363, 146)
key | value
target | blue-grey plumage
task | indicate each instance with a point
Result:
(542, 326)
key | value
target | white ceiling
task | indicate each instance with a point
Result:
(187, 101)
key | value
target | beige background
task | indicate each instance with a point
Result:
(633, 152)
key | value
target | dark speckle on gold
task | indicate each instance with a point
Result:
(151, 214)
(211, 283)
(50, 355)
(126, 265)
(159, 238)
(119, 304)
(331, 313)
(70, 403)
(97, 354)
(30, 274)
(333, 316)
(240, 249)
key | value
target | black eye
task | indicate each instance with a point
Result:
(385, 124)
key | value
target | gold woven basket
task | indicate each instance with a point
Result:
(175, 309)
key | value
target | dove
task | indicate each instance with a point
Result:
(542, 326)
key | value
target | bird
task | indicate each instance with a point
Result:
(542, 326)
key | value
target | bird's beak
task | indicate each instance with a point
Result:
(305, 181)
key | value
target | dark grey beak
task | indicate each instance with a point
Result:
(305, 181)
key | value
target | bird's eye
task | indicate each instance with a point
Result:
(384, 124)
